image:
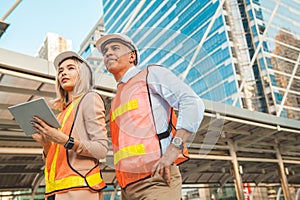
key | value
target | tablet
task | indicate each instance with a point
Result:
(24, 113)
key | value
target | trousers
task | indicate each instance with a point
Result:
(155, 188)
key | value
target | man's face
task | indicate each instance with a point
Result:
(117, 57)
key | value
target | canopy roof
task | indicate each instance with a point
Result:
(258, 142)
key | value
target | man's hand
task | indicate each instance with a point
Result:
(163, 165)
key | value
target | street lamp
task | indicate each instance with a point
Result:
(3, 27)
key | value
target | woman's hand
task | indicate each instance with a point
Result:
(42, 140)
(46, 133)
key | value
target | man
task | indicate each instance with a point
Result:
(145, 143)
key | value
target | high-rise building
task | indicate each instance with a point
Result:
(243, 53)
(273, 35)
(286, 74)
(52, 46)
(88, 48)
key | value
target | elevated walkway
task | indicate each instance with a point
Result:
(233, 145)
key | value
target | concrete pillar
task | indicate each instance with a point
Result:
(283, 178)
(38, 179)
(237, 177)
(204, 193)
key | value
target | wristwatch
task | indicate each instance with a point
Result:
(70, 143)
(177, 142)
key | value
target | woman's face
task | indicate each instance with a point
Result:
(68, 74)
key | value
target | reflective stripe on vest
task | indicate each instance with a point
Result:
(133, 150)
(66, 178)
(135, 142)
(131, 105)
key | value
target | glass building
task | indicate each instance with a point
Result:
(243, 53)
(88, 49)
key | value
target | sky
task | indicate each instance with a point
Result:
(31, 20)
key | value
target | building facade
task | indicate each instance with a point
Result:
(274, 32)
(238, 52)
(88, 49)
(52, 46)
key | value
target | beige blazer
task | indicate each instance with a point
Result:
(90, 129)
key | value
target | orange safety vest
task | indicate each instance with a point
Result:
(135, 142)
(60, 176)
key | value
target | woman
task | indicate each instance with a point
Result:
(72, 152)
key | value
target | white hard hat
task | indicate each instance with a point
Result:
(117, 37)
(71, 54)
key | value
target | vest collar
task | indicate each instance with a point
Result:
(131, 72)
